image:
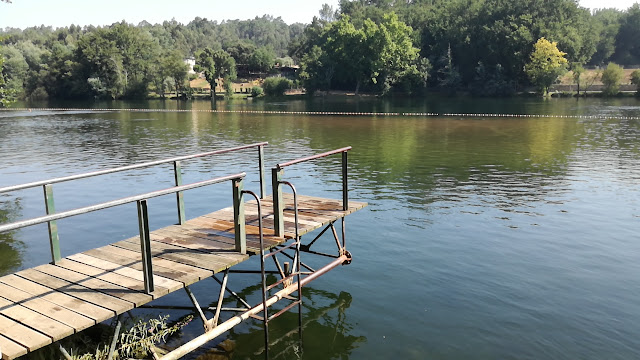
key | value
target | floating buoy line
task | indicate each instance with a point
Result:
(333, 113)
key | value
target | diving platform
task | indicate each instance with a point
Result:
(47, 303)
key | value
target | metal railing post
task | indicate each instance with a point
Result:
(177, 170)
(345, 188)
(263, 185)
(54, 239)
(145, 245)
(238, 216)
(278, 205)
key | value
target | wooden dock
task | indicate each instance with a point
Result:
(44, 304)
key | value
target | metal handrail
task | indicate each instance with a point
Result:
(47, 186)
(124, 168)
(112, 203)
(313, 157)
(276, 180)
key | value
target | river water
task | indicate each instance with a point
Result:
(484, 238)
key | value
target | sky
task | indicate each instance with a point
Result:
(60, 13)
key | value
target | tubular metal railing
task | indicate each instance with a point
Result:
(276, 180)
(177, 169)
(143, 217)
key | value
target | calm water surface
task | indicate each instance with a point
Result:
(485, 238)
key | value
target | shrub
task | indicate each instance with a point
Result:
(611, 78)
(635, 80)
(276, 86)
(256, 91)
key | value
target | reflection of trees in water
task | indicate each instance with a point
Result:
(11, 249)
(326, 332)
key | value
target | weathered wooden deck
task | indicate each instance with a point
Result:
(47, 303)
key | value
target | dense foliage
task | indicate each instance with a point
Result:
(380, 46)
(127, 61)
(611, 77)
(546, 64)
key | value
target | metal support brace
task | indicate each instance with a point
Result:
(194, 301)
(335, 236)
(54, 240)
(234, 294)
(278, 205)
(177, 171)
(214, 322)
(238, 216)
(114, 341)
(145, 246)
(63, 351)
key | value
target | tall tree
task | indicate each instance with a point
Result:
(215, 64)
(173, 65)
(6, 94)
(545, 65)
(627, 45)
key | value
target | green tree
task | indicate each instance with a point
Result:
(6, 94)
(545, 65)
(15, 69)
(611, 77)
(207, 66)
(627, 45)
(173, 65)
(345, 56)
(577, 71)
(215, 64)
(276, 86)
(261, 60)
(635, 80)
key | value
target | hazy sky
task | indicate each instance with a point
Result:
(58, 13)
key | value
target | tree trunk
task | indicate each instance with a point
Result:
(357, 87)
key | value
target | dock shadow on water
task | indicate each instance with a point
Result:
(11, 247)
(327, 332)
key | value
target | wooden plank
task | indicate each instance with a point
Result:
(22, 335)
(107, 276)
(215, 226)
(206, 261)
(205, 232)
(191, 242)
(73, 319)
(105, 253)
(112, 303)
(197, 272)
(160, 282)
(213, 242)
(47, 326)
(90, 310)
(136, 297)
(10, 349)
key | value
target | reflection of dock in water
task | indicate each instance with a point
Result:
(324, 328)
(44, 304)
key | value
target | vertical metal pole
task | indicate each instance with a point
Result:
(54, 240)
(345, 188)
(345, 194)
(238, 216)
(263, 185)
(177, 170)
(145, 245)
(278, 205)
